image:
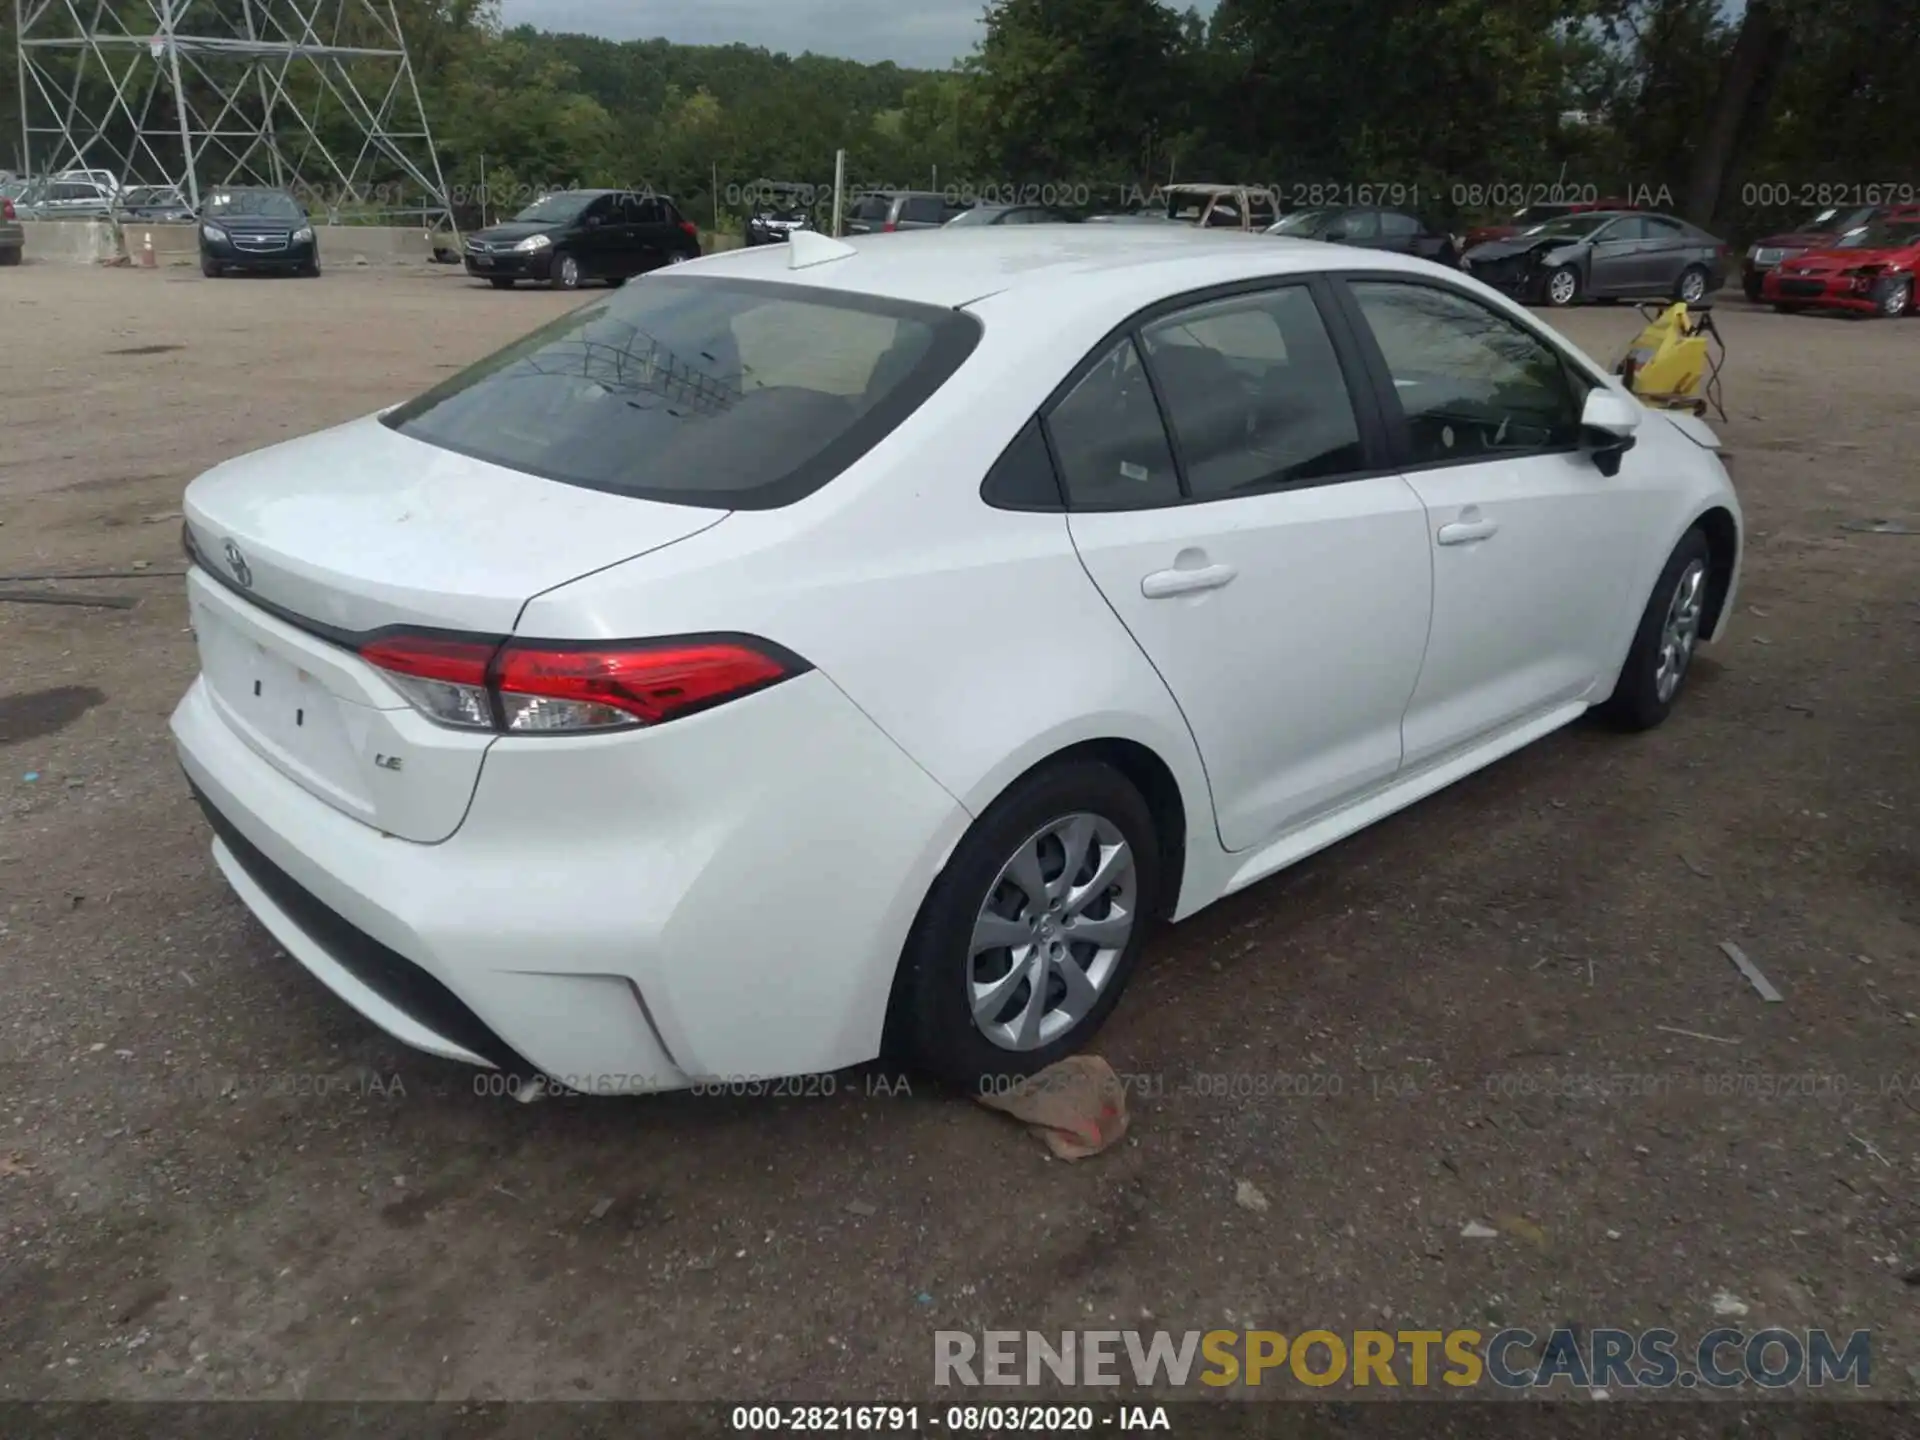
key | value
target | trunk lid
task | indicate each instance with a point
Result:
(323, 539)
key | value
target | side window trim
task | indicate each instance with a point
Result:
(1377, 447)
(1380, 376)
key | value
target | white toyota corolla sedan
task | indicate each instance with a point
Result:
(829, 650)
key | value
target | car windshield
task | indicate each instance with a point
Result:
(267, 204)
(555, 209)
(1191, 206)
(153, 195)
(722, 393)
(979, 215)
(1836, 219)
(1301, 222)
(1571, 225)
(1882, 235)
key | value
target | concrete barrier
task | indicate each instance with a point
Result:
(90, 242)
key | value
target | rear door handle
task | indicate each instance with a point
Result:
(1465, 532)
(1163, 584)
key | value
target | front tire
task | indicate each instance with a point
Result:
(1664, 645)
(1896, 300)
(209, 269)
(1562, 287)
(1028, 938)
(565, 274)
(1691, 287)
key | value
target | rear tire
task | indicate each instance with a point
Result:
(1664, 646)
(964, 1011)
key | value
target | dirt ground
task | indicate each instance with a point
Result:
(217, 1181)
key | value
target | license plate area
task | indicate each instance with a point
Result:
(285, 713)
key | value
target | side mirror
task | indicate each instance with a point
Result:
(1609, 420)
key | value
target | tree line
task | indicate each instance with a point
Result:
(1738, 116)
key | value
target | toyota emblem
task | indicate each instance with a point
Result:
(237, 563)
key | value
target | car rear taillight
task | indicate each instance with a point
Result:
(888, 228)
(692, 229)
(6, 210)
(549, 687)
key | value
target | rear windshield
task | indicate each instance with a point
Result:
(721, 393)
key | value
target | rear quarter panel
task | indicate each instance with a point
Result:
(971, 636)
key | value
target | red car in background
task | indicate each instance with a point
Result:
(1818, 233)
(1534, 215)
(1869, 271)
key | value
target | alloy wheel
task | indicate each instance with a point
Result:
(1693, 287)
(1051, 932)
(1898, 298)
(1681, 630)
(569, 272)
(1561, 287)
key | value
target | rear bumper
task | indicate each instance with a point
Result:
(726, 896)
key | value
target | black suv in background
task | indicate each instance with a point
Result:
(256, 228)
(884, 211)
(567, 239)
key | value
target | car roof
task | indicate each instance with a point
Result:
(953, 267)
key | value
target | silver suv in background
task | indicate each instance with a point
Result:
(884, 211)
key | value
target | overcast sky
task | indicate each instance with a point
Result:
(923, 33)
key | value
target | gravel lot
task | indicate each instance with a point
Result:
(216, 1181)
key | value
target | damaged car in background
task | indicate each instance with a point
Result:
(1869, 271)
(1603, 255)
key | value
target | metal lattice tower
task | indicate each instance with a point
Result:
(318, 94)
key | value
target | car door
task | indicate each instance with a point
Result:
(622, 240)
(653, 240)
(1529, 541)
(1274, 573)
(1399, 233)
(1667, 250)
(1615, 264)
(599, 239)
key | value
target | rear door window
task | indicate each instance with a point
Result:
(722, 393)
(923, 210)
(1109, 441)
(1254, 393)
(872, 208)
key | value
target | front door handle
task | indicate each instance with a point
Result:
(1165, 583)
(1465, 532)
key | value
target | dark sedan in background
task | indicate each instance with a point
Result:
(1370, 229)
(256, 229)
(1603, 255)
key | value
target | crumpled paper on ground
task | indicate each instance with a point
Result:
(1078, 1106)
